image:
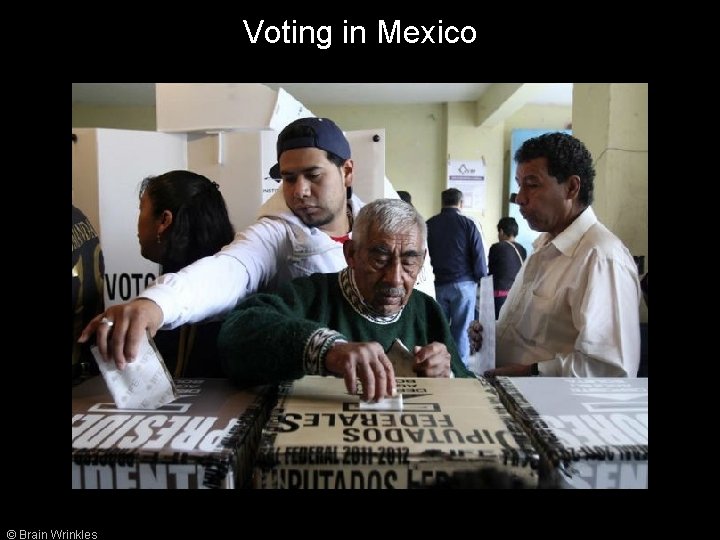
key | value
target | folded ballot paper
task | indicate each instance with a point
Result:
(143, 384)
(391, 403)
(401, 359)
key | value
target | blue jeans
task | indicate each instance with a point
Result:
(458, 303)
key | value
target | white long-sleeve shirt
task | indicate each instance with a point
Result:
(574, 306)
(276, 248)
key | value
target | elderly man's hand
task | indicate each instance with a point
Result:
(121, 328)
(432, 360)
(510, 370)
(475, 336)
(366, 361)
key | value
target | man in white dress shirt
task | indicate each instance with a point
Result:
(573, 310)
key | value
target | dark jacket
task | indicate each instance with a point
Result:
(504, 264)
(455, 247)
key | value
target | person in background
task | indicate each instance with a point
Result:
(183, 217)
(343, 323)
(504, 261)
(405, 196)
(300, 230)
(88, 273)
(573, 310)
(457, 256)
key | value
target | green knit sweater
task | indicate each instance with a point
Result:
(274, 337)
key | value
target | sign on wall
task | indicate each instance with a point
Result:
(468, 177)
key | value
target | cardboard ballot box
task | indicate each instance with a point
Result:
(317, 437)
(591, 433)
(207, 438)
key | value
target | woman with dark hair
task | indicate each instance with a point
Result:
(504, 260)
(183, 218)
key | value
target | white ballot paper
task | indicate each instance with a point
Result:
(392, 403)
(484, 359)
(401, 359)
(143, 384)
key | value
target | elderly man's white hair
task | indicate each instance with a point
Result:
(390, 216)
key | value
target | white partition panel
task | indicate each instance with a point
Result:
(368, 154)
(238, 161)
(108, 167)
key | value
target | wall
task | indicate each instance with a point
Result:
(89, 116)
(414, 147)
(468, 142)
(538, 117)
(616, 132)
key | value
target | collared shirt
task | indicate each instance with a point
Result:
(574, 306)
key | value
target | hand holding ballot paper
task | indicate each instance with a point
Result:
(432, 360)
(401, 359)
(142, 384)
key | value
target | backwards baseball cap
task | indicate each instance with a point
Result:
(322, 133)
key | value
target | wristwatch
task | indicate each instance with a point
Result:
(534, 371)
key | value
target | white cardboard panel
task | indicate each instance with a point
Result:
(108, 167)
(245, 160)
(213, 106)
(369, 159)
(224, 106)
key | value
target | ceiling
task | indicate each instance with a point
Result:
(143, 94)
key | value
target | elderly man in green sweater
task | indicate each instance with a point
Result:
(343, 323)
